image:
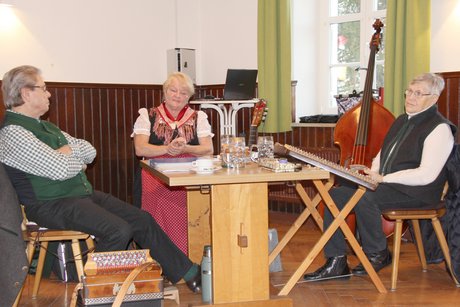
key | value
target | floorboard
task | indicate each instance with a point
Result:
(415, 288)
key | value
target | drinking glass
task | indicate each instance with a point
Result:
(265, 146)
(238, 152)
(225, 143)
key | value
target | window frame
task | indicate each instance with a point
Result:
(366, 17)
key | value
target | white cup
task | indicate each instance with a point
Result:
(203, 165)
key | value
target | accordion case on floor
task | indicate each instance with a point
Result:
(106, 272)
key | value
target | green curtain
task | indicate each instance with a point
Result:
(274, 62)
(407, 48)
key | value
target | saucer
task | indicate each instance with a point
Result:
(215, 168)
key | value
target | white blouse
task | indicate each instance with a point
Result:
(143, 125)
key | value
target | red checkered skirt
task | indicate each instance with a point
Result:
(168, 206)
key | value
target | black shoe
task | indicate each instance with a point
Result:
(194, 284)
(335, 267)
(378, 260)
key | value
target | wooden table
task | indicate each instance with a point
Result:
(239, 227)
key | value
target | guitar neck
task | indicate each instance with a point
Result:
(252, 135)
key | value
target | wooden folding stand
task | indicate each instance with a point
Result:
(339, 221)
(309, 210)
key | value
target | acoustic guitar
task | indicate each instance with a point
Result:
(259, 115)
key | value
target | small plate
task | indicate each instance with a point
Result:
(215, 168)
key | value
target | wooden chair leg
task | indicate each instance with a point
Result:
(419, 243)
(39, 270)
(30, 255)
(90, 244)
(396, 250)
(16, 301)
(444, 246)
(30, 251)
(78, 257)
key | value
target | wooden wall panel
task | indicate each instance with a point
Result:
(449, 100)
(104, 115)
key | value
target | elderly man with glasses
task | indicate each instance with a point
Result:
(410, 168)
(47, 169)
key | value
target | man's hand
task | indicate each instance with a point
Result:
(374, 175)
(66, 150)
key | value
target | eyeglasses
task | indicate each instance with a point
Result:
(43, 87)
(417, 94)
(179, 92)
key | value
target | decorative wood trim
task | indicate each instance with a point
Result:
(104, 114)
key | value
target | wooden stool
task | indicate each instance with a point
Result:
(171, 293)
(43, 237)
(415, 215)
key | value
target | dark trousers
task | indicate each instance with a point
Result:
(368, 212)
(114, 223)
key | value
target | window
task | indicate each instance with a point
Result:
(349, 26)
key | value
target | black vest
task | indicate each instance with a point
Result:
(155, 140)
(402, 149)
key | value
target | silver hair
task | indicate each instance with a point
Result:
(183, 80)
(15, 80)
(434, 81)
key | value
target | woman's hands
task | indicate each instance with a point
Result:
(177, 146)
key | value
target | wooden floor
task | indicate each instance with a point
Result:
(415, 288)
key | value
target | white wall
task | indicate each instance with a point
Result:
(229, 37)
(445, 30)
(115, 41)
(91, 41)
(305, 64)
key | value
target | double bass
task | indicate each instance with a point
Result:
(360, 131)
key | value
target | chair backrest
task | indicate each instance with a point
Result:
(13, 260)
(451, 223)
(453, 170)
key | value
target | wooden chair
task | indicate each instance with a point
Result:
(414, 215)
(34, 235)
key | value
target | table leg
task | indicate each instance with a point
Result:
(198, 217)
(225, 127)
(239, 225)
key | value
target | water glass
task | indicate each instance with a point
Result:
(225, 142)
(234, 154)
(266, 147)
(238, 152)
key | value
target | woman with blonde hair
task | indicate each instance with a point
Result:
(171, 130)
